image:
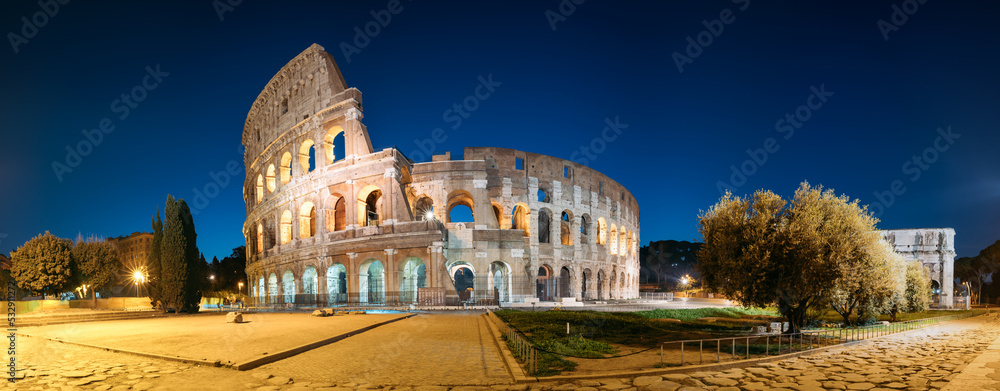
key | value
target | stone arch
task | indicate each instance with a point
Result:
(310, 284)
(270, 178)
(586, 279)
(463, 277)
(521, 218)
(544, 283)
(307, 220)
(307, 156)
(412, 277)
(565, 228)
(544, 224)
(585, 226)
(336, 283)
(285, 170)
(613, 238)
(602, 231)
(369, 206)
(272, 288)
(333, 142)
(423, 209)
(460, 197)
(500, 281)
(622, 250)
(498, 213)
(288, 286)
(565, 282)
(621, 286)
(544, 193)
(259, 194)
(602, 280)
(260, 290)
(371, 281)
(260, 238)
(286, 227)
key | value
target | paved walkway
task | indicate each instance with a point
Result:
(429, 349)
(209, 337)
(445, 349)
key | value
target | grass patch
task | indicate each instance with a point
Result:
(692, 314)
(578, 346)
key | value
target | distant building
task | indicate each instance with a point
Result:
(4, 262)
(133, 250)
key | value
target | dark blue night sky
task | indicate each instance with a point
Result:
(883, 106)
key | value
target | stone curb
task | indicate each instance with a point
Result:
(309, 346)
(721, 366)
(513, 368)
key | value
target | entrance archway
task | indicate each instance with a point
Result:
(310, 285)
(543, 284)
(288, 286)
(413, 277)
(336, 283)
(371, 282)
(500, 281)
(565, 289)
(465, 282)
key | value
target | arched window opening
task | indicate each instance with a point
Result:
(602, 231)
(499, 215)
(500, 273)
(286, 168)
(424, 209)
(260, 238)
(543, 225)
(585, 225)
(286, 227)
(465, 283)
(614, 240)
(543, 195)
(520, 219)
(333, 144)
(371, 217)
(260, 188)
(340, 215)
(307, 220)
(307, 156)
(460, 213)
(565, 234)
(270, 178)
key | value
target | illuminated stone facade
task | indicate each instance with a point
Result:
(934, 248)
(331, 220)
(133, 250)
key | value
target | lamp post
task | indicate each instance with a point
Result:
(241, 292)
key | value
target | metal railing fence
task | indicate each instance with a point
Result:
(523, 350)
(747, 347)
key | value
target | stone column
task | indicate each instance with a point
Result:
(391, 276)
(322, 295)
(352, 278)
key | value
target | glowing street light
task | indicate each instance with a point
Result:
(429, 215)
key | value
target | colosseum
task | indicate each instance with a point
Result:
(331, 220)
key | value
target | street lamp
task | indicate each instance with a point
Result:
(137, 278)
(241, 292)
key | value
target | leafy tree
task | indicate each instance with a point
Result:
(976, 270)
(43, 264)
(916, 296)
(761, 250)
(871, 282)
(99, 264)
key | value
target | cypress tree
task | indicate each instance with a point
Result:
(191, 288)
(173, 265)
(153, 266)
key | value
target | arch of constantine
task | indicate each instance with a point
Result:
(934, 248)
(331, 220)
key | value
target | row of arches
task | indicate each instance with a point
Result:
(332, 152)
(369, 284)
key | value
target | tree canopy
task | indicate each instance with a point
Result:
(43, 264)
(818, 249)
(99, 264)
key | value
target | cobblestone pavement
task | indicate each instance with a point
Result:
(425, 351)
